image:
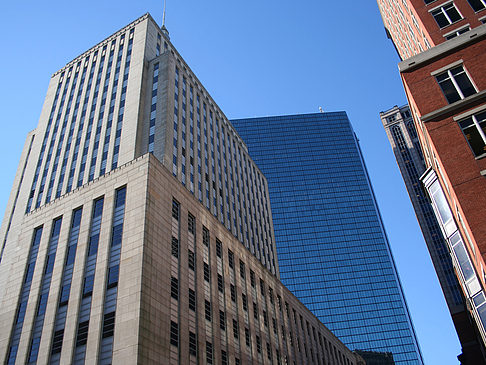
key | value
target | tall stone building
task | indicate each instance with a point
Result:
(442, 46)
(139, 230)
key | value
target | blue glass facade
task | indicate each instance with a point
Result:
(332, 248)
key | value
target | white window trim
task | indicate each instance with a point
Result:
(451, 66)
(458, 30)
(445, 14)
(484, 3)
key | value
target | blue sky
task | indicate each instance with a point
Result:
(256, 58)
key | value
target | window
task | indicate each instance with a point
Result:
(245, 302)
(455, 84)
(175, 247)
(265, 318)
(207, 273)
(174, 334)
(456, 33)
(192, 344)
(218, 248)
(474, 129)
(235, 328)
(242, 270)
(429, 1)
(231, 259)
(224, 358)
(205, 237)
(477, 5)
(220, 283)
(258, 344)
(82, 335)
(192, 299)
(252, 278)
(57, 341)
(233, 292)
(262, 288)
(112, 276)
(446, 14)
(88, 285)
(191, 223)
(175, 209)
(222, 320)
(174, 288)
(255, 311)
(63, 299)
(207, 310)
(108, 325)
(191, 260)
(247, 337)
(209, 353)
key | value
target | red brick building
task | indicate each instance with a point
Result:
(443, 48)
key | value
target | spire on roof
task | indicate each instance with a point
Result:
(163, 28)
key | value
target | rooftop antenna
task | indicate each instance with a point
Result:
(163, 28)
(320, 110)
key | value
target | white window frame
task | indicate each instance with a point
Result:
(484, 4)
(442, 6)
(448, 69)
(456, 31)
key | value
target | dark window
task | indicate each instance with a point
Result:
(63, 299)
(175, 247)
(446, 14)
(192, 344)
(191, 223)
(242, 270)
(209, 353)
(265, 318)
(245, 302)
(175, 209)
(82, 335)
(231, 259)
(255, 311)
(474, 129)
(30, 272)
(207, 310)
(108, 324)
(117, 233)
(262, 288)
(270, 294)
(274, 323)
(88, 285)
(222, 320)
(269, 352)
(192, 299)
(247, 337)
(218, 248)
(174, 334)
(258, 344)
(233, 292)
(205, 237)
(477, 5)
(235, 328)
(93, 244)
(113, 276)
(220, 283)
(252, 279)
(191, 260)
(174, 288)
(224, 358)
(57, 341)
(455, 84)
(207, 273)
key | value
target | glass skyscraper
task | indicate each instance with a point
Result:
(332, 248)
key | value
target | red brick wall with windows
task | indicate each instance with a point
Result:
(461, 169)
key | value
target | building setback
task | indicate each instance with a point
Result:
(139, 230)
(445, 87)
(332, 246)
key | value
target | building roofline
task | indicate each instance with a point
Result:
(103, 42)
(460, 41)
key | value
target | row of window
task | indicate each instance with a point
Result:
(269, 316)
(456, 85)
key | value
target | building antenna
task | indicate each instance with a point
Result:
(163, 16)
(163, 28)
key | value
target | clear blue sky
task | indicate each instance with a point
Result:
(256, 58)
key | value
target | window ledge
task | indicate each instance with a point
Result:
(454, 106)
(480, 157)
